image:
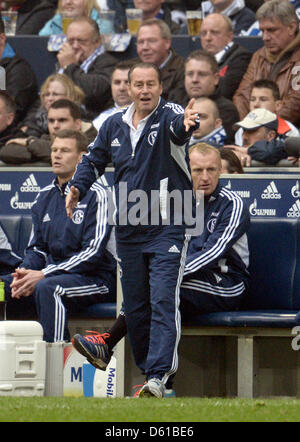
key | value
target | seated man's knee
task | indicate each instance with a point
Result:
(46, 287)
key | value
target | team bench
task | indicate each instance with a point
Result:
(246, 353)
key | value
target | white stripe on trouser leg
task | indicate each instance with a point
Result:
(87, 290)
(60, 315)
(70, 292)
(174, 365)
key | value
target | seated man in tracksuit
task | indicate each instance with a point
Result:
(216, 270)
(67, 264)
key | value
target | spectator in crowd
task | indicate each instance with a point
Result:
(254, 29)
(265, 94)
(67, 264)
(207, 286)
(157, 9)
(230, 161)
(260, 139)
(84, 60)
(55, 87)
(210, 129)
(8, 259)
(62, 114)
(216, 36)
(241, 16)
(8, 128)
(20, 80)
(202, 80)
(79, 8)
(32, 14)
(119, 92)
(277, 60)
(154, 46)
(147, 146)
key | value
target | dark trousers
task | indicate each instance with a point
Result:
(151, 274)
(209, 291)
(55, 296)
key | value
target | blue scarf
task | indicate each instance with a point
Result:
(8, 52)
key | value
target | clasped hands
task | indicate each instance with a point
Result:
(24, 282)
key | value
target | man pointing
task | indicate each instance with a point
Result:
(147, 144)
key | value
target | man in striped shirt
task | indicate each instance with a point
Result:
(67, 264)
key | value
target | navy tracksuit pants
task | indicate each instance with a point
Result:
(209, 291)
(151, 274)
(55, 296)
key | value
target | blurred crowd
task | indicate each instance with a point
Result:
(229, 82)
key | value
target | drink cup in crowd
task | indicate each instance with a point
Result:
(134, 18)
(9, 19)
(107, 19)
(66, 19)
(194, 20)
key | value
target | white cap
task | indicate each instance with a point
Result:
(257, 118)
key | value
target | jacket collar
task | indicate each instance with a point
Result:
(213, 196)
(290, 48)
(62, 189)
(128, 115)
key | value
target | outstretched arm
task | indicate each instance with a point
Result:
(71, 200)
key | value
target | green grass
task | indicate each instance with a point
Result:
(69, 409)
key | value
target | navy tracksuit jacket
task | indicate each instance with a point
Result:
(216, 273)
(72, 254)
(8, 259)
(151, 256)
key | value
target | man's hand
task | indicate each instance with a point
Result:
(190, 115)
(72, 200)
(242, 154)
(20, 141)
(24, 282)
(294, 160)
(67, 56)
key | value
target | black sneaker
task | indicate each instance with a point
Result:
(94, 348)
